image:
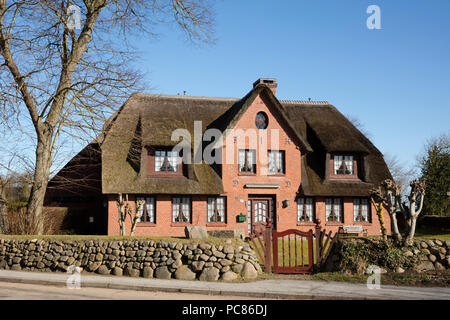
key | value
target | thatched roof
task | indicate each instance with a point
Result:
(149, 120)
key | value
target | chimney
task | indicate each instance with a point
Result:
(271, 83)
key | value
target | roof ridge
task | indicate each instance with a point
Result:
(177, 96)
(303, 102)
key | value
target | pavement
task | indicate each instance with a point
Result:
(267, 289)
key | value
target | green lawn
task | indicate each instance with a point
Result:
(432, 233)
(211, 240)
(290, 248)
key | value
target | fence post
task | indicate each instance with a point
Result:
(268, 246)
(318, 234)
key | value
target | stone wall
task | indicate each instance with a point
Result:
(353, 256)
(136, 258)
(431, 255)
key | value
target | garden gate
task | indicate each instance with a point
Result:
(293, 251)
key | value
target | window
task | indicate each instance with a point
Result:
(361, 209)
(247, 161)
(333, 209)
(166, 161)
(181, 210)
(216, 209)
(276, 161)
(305, 210)
(147, 212)
(343, 165)
(261, 120)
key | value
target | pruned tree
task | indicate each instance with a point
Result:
(412, 211)
(122, 209)
(67, 64)
(376, 197)
(401, 173)
(125, 210)
(389, 195)
(135, 217)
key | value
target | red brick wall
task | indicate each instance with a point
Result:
(237, 195)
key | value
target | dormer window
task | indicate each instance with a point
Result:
(164, 162)
(343, 166)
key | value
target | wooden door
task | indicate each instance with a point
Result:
(260, 211)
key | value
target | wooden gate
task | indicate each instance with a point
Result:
(293, 251)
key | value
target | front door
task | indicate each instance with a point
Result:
(260, 210)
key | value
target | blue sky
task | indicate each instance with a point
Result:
(396, 80)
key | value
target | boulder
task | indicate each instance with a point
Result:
(103, 270)
(229, 276)
(432, 257)
(195, 232)
(131, 272)
(399, 270)
(198, 265)
(16, 267)
(249, 271)
(237, 268)
(184, 273)
(225, 262)
(162, 273)
(209, 274)
(117, 271)
(93, 266)
(424, 266)
(147, 272)
(408, 253)
(439, 267)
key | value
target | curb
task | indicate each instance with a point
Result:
(250, 294)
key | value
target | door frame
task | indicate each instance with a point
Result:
(271, 198)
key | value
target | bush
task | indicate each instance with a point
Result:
(18, 222)
(357, 254)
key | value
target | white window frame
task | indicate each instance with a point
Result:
(148, 210)
(336, 206)
(361, 205)
(181, 210)
(347, 161)
(305, 207)
(216, 208)
(276, 161)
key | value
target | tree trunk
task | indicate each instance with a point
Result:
(3, 216)
(395, 231)
(381, 219)
(40, 181)
(412, 231)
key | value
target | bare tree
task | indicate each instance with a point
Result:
(125, 210)
(401, 173)
(359, 125)
(67, 63)
(389, 195)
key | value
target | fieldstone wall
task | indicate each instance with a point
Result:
(353, 256)
(431, 255)
(136, 258)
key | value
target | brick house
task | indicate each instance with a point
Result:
(295, 161)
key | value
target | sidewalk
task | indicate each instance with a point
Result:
(281, 289)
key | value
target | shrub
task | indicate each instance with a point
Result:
(357, 254)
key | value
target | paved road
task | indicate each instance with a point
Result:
(285, 289)
(24, 291)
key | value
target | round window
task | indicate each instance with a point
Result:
(261, 120)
